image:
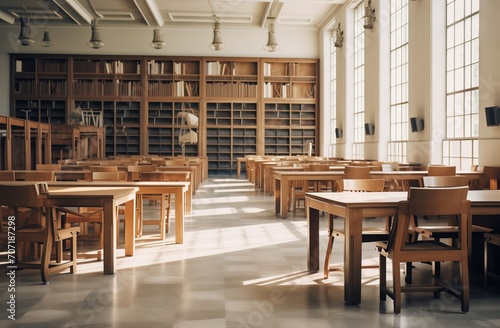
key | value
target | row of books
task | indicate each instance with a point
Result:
(172, 89)
(285, 90)
(218, 68)
(53, 87)
(107, 67)
(231, 90)
(43, 66)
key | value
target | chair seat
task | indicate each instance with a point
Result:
(446, 231)
(421, 245)
(369, 234)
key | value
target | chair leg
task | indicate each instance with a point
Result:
(326, 270)
(168, 203)
(485, 272)
(396, 281)
(73, 253)
(408, 272)
(383, 277)
(45, 259)
(163, 209)
(464, 277)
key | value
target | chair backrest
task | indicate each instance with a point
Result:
(141, 168)
(491, 177)
(153, 176)
(48, 167)
(445, 181)
(449, 201)
(109, 176)
(22, 195)
(103, 168)
(356, 172)
(319, 167)
(39, 176)
(176, 162)
(361, 185)
(439, 170)
(7, 176)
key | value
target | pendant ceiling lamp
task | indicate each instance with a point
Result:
(95, 39)
(272, 44)
(46, 41)
(157, 42)
(217, 43)
(24, 38)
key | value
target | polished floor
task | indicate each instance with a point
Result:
(239, 267)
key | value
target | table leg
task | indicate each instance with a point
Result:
(277, 195)
(352, 257)
(313, 238)
(130, 210)
(109, 230)
(285, 195)
(179, 216)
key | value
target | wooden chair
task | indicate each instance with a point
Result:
(426, 201)
(490, 240)
(298, 191)
(322, 185)
(34, 223)
(370, 234)
(48, 167)
(134, 171)
(491, 177)
(353, 172)
(449, 231)
(39, 176)
(85, 217)
(164, 199)
(441, 170)
(103, 168)
(109, 176)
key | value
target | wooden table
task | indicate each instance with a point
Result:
(353, 207)
(109, 198)
(178, 189)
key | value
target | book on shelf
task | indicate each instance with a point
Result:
(19, 66)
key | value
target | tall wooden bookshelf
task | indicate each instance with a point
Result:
(246, 106)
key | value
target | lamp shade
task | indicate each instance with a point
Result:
(217, 43)
(24, 38)
(95, 39)
(157, 42)
(46, 41)
(272, 44)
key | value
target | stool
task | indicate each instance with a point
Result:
(492, 239)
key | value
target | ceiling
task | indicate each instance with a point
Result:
(233, 14)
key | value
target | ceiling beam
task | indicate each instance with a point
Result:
(7, 18)
(155, 12)
(271, 11)
(82, 11)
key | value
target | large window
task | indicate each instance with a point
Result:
(333, 98)
(460, 148)
(359, 83)
(399, 81)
